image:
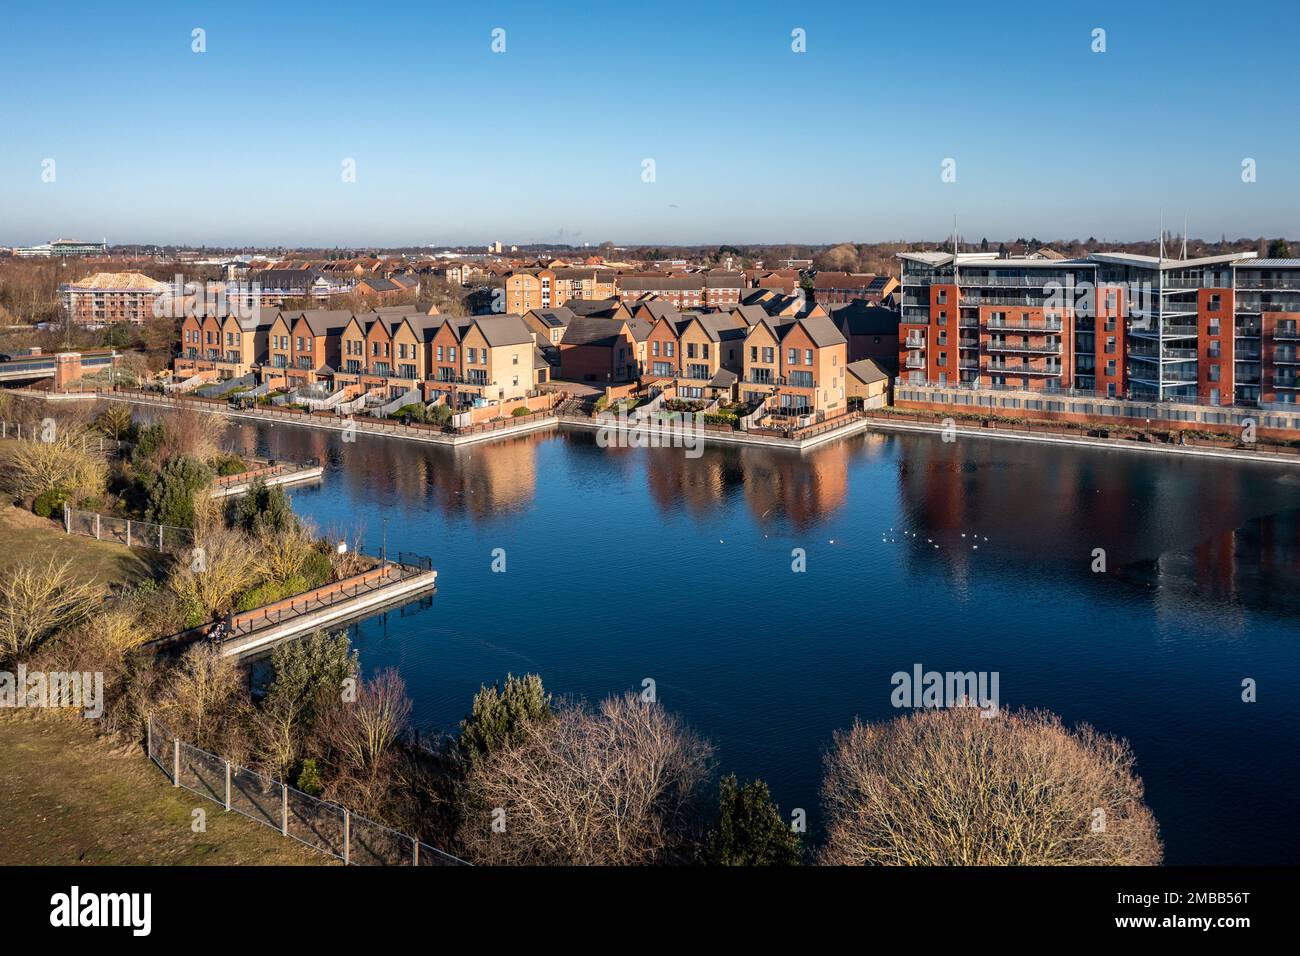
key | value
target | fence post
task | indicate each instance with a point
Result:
(148, 736)
(97, 526)
(128, 532)
(160, 540)
(415, 852)
(176, 761)
(347, 836)
(227, 786)
(284, 809)
(67, 520)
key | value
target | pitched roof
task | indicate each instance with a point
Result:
(590, 330)
(820, 329)
(557, 318)
(504, 329)
(592, 306)
(858, 318)
(118, 281)
(867, 371)
(324, 321)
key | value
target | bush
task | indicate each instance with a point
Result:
(1013, 788)
(521, 411)
(317, 570)
(750, 830)
(498, 716)
(228, 465)
(269, 592)
(721, 418)
(602, 403)
(309, 778)
(440, 414)
(50, 503)
(172, 491)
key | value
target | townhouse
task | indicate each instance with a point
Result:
(227, 344)
(840, 288)
(467, 361)
(796, 367)
(1217, 331)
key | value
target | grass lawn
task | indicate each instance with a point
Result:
(70, 797)
(24, 535)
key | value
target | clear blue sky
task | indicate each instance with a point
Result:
(752, 142)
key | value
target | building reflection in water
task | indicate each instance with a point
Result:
(1218, 530)
(1213, 531)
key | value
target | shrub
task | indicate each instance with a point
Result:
(1014, 788)
(50, 503)
(521, 411)
(498, 716)
(264, 509)
(34, 467)
(172, 491)
(316, 569)
(228, 465)
(440, 414)
(309, 779)
(750, 830)
(721, 418)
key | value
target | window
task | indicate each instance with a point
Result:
(941, 295)
(654, 347)
(753, 353)
(792, 357)
(807, 357)
(668, 349)
(515, 361)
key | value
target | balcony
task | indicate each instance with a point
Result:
(1286, 335)
(912, 361)
(1286, 381)
(1032, 349)
(914, 342)
(1045, 325)
(1284, 283)
(1004, 368)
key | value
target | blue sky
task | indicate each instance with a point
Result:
(752, 142)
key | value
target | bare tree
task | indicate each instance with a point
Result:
(219, 568)
(616, 785)
(37, 598)
(361, 734)
(58, 460)
(952, 788)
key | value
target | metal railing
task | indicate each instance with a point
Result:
(320, 824)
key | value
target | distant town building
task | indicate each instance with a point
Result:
(63, 249)
(108, 297)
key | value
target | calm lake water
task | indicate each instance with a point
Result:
(626, 564)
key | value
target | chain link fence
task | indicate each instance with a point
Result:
(316, 823)
(128, 531)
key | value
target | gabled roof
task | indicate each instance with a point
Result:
(820, 329)
(590, 330)
(502, 330)
(593, 306)
(324, 321)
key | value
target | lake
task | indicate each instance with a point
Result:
(623, 565)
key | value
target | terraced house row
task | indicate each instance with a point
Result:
(1219, 330)
(392, 351)
(796, 364)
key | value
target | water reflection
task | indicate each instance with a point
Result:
(1215, 530)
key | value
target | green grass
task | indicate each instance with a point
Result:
(71, 798)
(23, 536)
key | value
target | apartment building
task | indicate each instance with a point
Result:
(696, 290)
(481, 358)
(1209, 331)
(527, 289)
(108, 297)
(582, 283)
(796, 366)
